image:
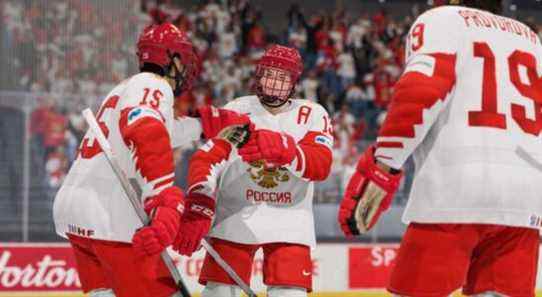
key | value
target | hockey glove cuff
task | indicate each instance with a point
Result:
(368, 194)
(195, 223)
(165, 210)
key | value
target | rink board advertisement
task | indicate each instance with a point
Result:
(336, 268)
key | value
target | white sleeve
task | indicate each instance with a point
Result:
(185, 131)
(152, 91)
(146, 109)
(424, 88)
(438, 30)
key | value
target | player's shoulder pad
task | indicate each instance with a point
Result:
(141, 112)
(316, 107)
(152, 81)
(118, 89)
(242, 104)
(438, 30)
(443, 18)
(441, 11)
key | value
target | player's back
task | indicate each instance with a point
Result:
(481, 161)
(91, 201)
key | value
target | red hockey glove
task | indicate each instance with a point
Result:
(165, 210)
(213, 120)
(368, 194)
(275, 148)
(195, 223)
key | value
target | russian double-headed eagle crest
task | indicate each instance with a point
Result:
(267, 177)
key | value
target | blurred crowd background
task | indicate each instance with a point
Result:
(60, 56)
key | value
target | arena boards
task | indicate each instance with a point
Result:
(345, 270)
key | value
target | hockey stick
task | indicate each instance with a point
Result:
(131, 193)
(134, 200)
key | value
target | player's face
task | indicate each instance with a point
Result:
(276, 82)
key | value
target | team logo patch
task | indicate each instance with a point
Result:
(141, 112)
(321, 139)
(267, 177)
(134, 113)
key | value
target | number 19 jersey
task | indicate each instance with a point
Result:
(468, 108)
(91, 201)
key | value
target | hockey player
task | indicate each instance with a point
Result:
(91, 210)
(468, 109)
(260, 196)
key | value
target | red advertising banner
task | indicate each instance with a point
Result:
(37, 268)
(44, 267)
(51, 267)
(370, 267)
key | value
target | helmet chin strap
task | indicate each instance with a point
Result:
(178, 77)
(265, 100)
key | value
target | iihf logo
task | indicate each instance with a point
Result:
(535, 221)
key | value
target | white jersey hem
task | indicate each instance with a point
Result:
(476, 216)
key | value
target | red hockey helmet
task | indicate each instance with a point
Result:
(159, 44)
(277, 73)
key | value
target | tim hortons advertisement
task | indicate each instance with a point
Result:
(37, 268)
(336, 268)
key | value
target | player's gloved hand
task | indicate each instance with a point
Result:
(235, 135)
(195, 223)
(275, 148)
(368, 194)
(165, 210)
(214, 120)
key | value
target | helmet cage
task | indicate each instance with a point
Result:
(271, 85)
(185, 77)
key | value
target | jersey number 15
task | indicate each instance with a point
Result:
(89, 148)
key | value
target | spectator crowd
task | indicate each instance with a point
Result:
(72, 52)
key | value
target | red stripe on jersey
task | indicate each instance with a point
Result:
(415, 92)
(164, 182)
(149, 140)
(202, 162)
(389, 144)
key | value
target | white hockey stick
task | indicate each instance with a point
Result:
(136, 204)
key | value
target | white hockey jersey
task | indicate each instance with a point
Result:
(468, 107)
(91, 201)
(255, 204)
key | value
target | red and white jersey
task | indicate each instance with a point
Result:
(137, 118)
(468, 108)
(257, 204)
